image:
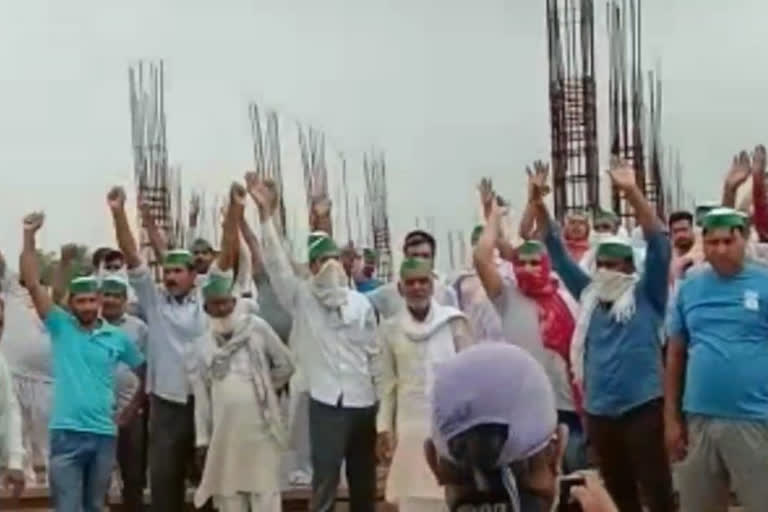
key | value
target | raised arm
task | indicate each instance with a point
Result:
(623, 177)
(320, 215)
(485, 263)
(738, 174)
(156, 237)
(230, 238)
(30, 272)
(759, 199)
(276, 262)
(574, 278)
(529, 228)
(125, 239)
(249, 237)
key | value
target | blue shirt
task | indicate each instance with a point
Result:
(368, 285)
(84, 364)
(622, 361)
(723, 322)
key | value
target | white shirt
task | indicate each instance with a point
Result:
(335, 348)
(11, 448)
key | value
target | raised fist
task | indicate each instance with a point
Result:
(116, 198)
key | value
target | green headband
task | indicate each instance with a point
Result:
(88, 284)
(415, 267)
(369, 255)
(217, 287)
(615, 248)
(477, 232)
(723, 218)
(605, 215)
(177, 257)
(320, 246)
(114, 285)
(530, 248)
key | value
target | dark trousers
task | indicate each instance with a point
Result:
(132, 459)
(631, 453)
(171, 453)
(343, 434)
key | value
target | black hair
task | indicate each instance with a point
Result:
(99, 255)
(113, 255)
(680, 215)
(418, 237)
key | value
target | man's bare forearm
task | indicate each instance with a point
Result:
(125, 239)
(257, 265)
(230, 239)
(673, 379)
(644, 213)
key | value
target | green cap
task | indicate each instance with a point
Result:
(415, 267)
(615, 248)
(724, 218)
(177, 257)
(86, 284)
(201, 245)
(321, 245)
(369, 255)
(217, 286)
(577, 214)
(477, 232)
(530, 248)
(114, 285)
(605, 215)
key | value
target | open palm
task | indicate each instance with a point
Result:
(622, 174)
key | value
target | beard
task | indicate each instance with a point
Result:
(223, 325)
(684, 244)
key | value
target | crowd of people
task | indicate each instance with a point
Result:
(641, 355)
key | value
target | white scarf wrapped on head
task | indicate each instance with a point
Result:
(608, 286)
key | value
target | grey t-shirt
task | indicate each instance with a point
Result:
(126, 382)
(520, 322)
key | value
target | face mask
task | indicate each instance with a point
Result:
(596, 238)
(329, 285)
(331, 275)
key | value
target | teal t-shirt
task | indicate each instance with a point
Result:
(84, 366)
(724, 323)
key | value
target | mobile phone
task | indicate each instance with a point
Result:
(565, 503)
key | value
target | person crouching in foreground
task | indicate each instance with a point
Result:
(411, 345)
(495, 441)
(236, 368)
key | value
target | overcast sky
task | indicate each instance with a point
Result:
(450, 89)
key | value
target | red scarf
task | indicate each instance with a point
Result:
(576, 248)
(556, 323)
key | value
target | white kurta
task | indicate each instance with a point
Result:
(244, 453)
(406, 371)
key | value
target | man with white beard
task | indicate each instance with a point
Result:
(334, 329)
(236, 368)
(411, 346)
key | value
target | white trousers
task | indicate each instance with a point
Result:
(250, 502)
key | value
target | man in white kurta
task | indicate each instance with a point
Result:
(235, 369)
(11, 449)
(411, 345)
